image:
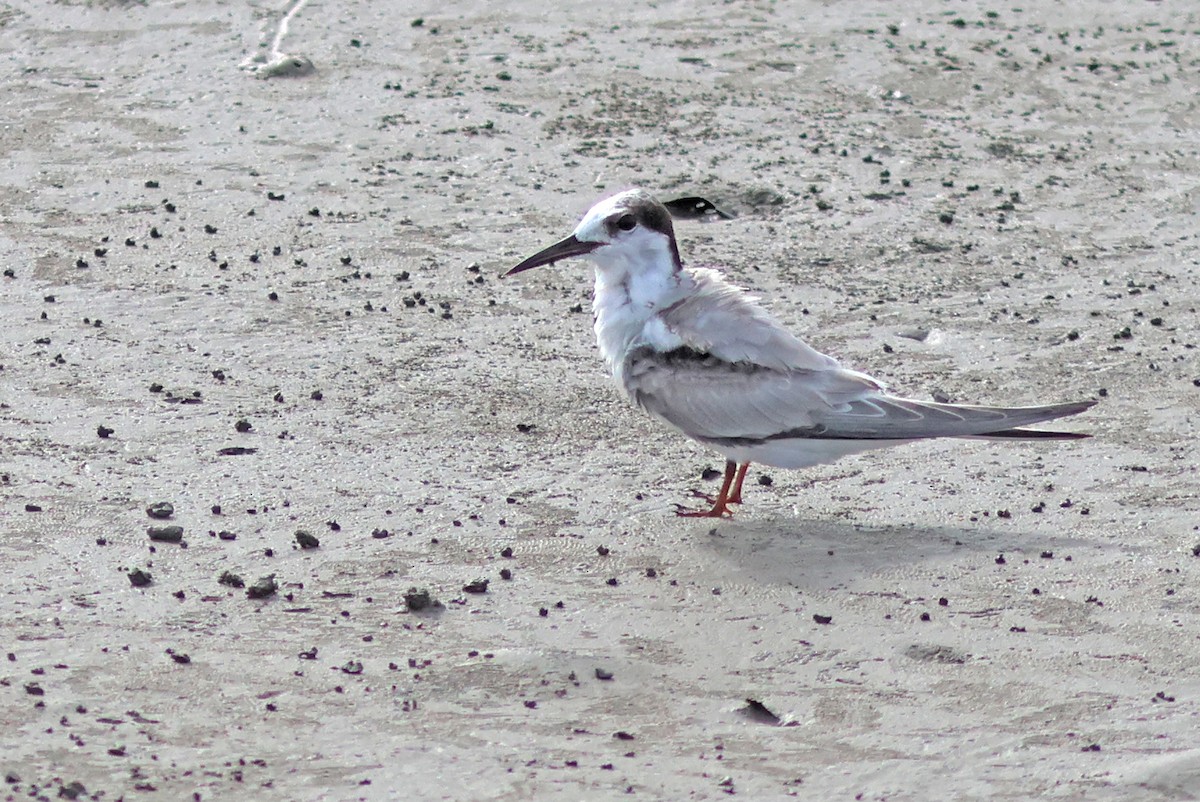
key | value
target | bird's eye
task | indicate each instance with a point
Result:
(627, 222)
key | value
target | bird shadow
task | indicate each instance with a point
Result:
(831, 554)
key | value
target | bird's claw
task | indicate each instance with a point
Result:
(717, 511)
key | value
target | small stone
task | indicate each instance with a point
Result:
(306, 540)
(263, 587)
(419, 599)
(139, 578)
(161, 510)
(103, 431)
(822, 619)
(172, 533)
(476, 586)
(243, 426)
(72, 790)
(603, 674)
(231, 579)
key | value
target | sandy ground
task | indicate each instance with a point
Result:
(993, 203)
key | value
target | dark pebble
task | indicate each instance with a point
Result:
(243, 426)
(230, 579)
(172, 533)
(604, 674)
(139, 578)
(822, 619)
(506, 573)
(72, 790)
(306, 540)
(477, 586)
(506, 552)
(161, 510)
(419, 599)
(263, 587)
(103, 431)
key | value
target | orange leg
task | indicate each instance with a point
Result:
(736, 496)
(720, 505)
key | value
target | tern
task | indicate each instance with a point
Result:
(702, 355)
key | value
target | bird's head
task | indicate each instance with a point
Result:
(629, 233)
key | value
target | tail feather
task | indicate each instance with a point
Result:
(887, 417)
(1030, 434)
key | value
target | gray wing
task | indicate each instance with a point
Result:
(720, 319)
(714, 400)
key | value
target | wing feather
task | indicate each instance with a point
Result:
(714, 400)
(718, 318)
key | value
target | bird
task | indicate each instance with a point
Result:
(702, 355)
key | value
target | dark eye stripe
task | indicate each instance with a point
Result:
(627, 222)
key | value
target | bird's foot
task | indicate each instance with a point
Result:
(720, 509)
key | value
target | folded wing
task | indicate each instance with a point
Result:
(716, 400)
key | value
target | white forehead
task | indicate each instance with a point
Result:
(591, 228)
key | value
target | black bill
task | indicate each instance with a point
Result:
(563, 249)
